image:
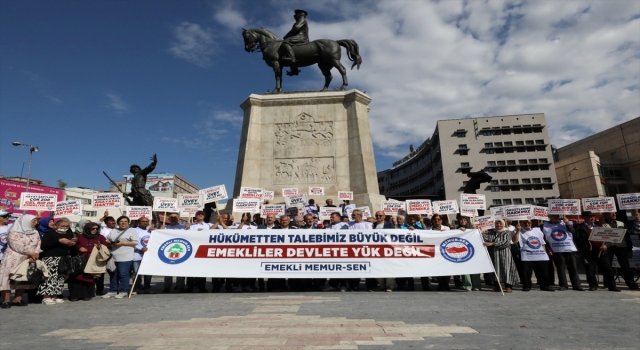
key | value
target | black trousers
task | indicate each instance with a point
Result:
(551, 274)
(541, 270)
(515, 254)
(406, 283)
(425, 283)
(593, 263)
(199, 282)
(100, 284)
(568, 260)
(623, 260)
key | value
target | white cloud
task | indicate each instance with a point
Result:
(193, 43)
(227, 118)
(116, 103)
(230, 18)
(53, 99)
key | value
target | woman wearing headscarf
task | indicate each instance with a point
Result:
(45, 225)
(500, 239)
(82, 286)
(24, 243)
(80, 227)
(55, 245)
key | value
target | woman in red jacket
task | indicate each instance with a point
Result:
(83, 286)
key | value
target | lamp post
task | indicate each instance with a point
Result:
(32, 149)
(573, 194)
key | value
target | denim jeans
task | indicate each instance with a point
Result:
(147, 279)
(120, 277)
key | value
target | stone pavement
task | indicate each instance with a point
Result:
(332, 320)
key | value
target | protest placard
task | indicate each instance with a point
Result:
(445, 207)
(137, 212)
(188, 212)
(607, 234)
(275, 209)
(540, 213)
(628, 201)
(518, 212)
(292, 212)
(325, 212)
(251, 193)
(599, 205)
(345, 195)
(268, 195)
(418, 206)
(289, 192)
(190, 200)
(39, 202)
(366, 212)
(246, 205)
(215, 193)
(163, 204)
(393, 208)
(472, 201)
(497, 212)
(68, 208)
(316, 191)
(484, 222)
(106, 200)
(564, 206)
(296, 199)
(470, 213)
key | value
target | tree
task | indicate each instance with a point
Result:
(61, 184)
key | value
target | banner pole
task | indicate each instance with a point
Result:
(133, 285)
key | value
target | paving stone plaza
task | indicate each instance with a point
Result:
(360, 320)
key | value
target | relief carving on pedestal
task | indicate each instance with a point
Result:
(303, 131)
(304, 170)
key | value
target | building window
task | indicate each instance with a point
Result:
(526, 187)
(89, 213)
(495, 189)
(488, 145)
(497, 202)
(501, 162)
(543, 160)
(464, 165)
(513, 181)
(504, 182)
(486, 133)
(517, 201)
(536, 181)
(511, 162)
(490, 151)
(491, 163)
(461, 134)
(539, 142)
(519, 143)
(528, 200)
(539, 200)
(546, 180)
(498, 144)
(533, 161)
(526, 181)
(529, 142)
(506, 144)
(506, 201)
(522, 161)
(494, 182)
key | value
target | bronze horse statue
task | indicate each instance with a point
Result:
(326, 53)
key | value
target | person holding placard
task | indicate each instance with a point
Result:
(359, 224)
(559, 235)
(122, 241)
(622, 250)
(144, 232)
(346, 205)
(469, 282)
(593, 254)
(535, 256)
(500, 239)
(55, 246)
(312, 208)
(443, 281)
(329, 203)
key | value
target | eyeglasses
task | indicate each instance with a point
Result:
(94, 228)
(380, 216)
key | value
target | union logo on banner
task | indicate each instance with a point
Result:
(457, 250)
(175, 251)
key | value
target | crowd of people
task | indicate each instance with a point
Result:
(518, 251)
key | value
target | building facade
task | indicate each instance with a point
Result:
(514, 150)
(608, 163)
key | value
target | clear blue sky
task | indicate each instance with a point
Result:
(99, 85)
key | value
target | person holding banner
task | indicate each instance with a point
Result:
(560, 237)
(174, 224)
(122, 241)
(55, 245)
(23, 244)
(594, 255)
(535, 257)
(144, 232)
(500, 239)
(443, 281)
(622, 250)
(469, 282)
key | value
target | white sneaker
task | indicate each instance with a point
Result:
(48, 301)
(120, 295)
(109, 295)
(58, 300)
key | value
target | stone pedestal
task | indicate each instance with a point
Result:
(305, 139)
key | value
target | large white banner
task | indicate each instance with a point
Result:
(315, 254)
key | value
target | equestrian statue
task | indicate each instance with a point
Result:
(297, 51)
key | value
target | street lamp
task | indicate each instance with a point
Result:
(32, 149)
(573, 194)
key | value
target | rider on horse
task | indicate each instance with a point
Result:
(299, 34)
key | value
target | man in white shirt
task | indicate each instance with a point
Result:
(559, 235)
(144, 232)
(198, 283)
(359, 223)
(535, 256)
(199, 223)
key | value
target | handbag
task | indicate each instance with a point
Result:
(72, 265)
(34, 276)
